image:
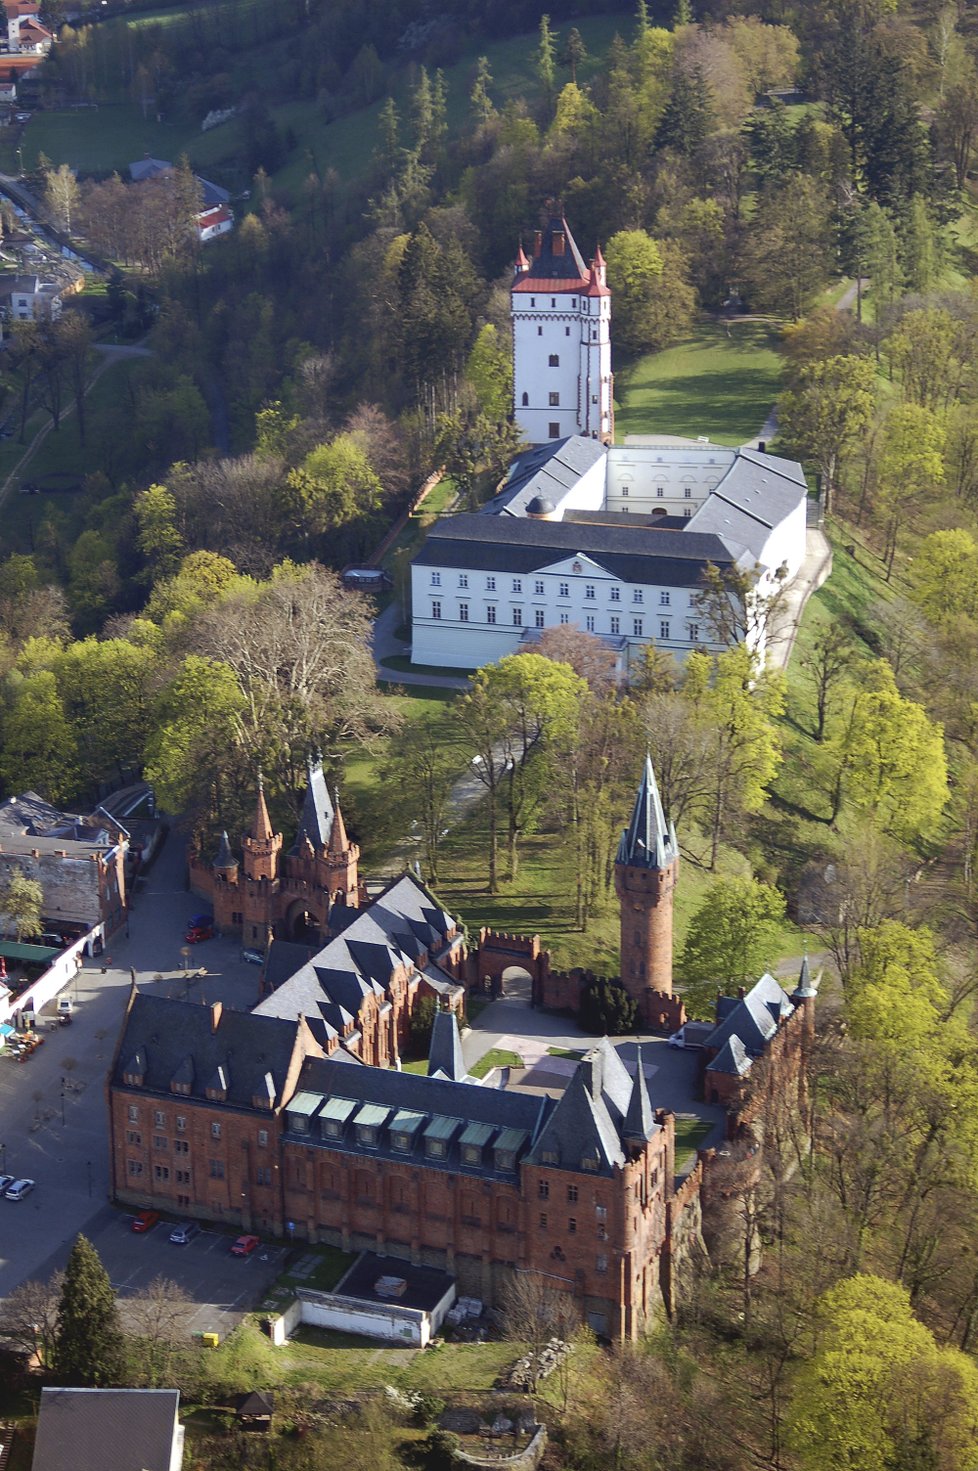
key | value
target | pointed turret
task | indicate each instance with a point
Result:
(338, 841)
(521, 263)
(646, 869)
(639, 1123)
(445, 1053)
(225, 864)
(261, 827)
(648, 841)
(316, 818)
(807, 986)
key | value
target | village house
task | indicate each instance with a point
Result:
(80, 863)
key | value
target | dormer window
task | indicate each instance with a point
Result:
(471, 1154)
(367, 1135)
(550, 1156)
(505, 1161)
(590, 1161)
(435, 1148)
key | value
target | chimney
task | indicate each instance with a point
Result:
(762, 446)
(216, 1009)
(558, 239)
(537, 242)
(741, 993)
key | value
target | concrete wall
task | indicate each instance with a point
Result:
(524, 1460)
(391, 1322)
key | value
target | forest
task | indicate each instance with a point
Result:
(184, 616)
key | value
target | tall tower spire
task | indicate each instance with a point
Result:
(646, 869)
(261, 846)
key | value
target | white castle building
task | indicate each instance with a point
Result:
(614, 539)
(561, 312)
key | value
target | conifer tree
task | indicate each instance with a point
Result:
(546, 65)
(482, 103)
(88, 1344)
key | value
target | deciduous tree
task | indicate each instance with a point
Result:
(731, 940)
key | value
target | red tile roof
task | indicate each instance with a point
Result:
(543, 284)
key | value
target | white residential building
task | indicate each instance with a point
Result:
(614, 540)
(561, 312)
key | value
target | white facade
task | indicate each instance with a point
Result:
(572, 538)
(561, 313)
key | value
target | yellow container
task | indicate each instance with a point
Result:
(210, 1340)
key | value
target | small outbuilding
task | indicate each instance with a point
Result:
(254, 1411)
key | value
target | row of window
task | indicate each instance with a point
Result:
(590, 623)
(573, 1196)
(563, 589)
(180, 1124)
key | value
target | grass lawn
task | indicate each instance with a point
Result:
(495, 1057)
(330, 1267)
(341, 1362)
(690, 1133)
(721, 382)
(401, 664)
(110, 137)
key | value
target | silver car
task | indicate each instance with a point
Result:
(19, 1189)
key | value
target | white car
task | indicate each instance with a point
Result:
(19, 1189)
(678, 1039)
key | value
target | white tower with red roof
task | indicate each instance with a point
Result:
(561, 309)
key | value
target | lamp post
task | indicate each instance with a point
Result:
(62, 1103)
(3, 1159)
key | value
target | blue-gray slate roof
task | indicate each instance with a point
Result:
(649, 841)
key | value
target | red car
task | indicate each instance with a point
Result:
(245, 1245)
(145, 1221)
(199, 932)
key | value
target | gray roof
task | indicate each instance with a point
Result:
(807, 984)
(547, 473)
(639, 1120)
(445, 1052)
(732, 1058)
(754, 1018)
(445, 1106)
(636, 554)
(316, 818)
(225, 858)
(402, 923)
(28, 823)
(590, 1116)
(755, 495)
(545, 265)
(648, 841)
(166, 1041)
(106, 1429)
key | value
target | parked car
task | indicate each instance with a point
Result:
(19, 1189)
(145, 1221)
(253, 957)
(5, 1183)
(196, 933)
(245, 1245)
(184, 1232)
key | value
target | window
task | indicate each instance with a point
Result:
(553, 431)
(436, 609)
(215, 1131)
(589, 589)
(539, 331)
(590, 1161)
(566, 331)
(663, 628)
(660, 491)
(549, 1157)
(134, 1167)
(615, 623)
(554, 400)
(215, 1168)
(490, 614)
(664, 599)
(572, 1193)
(490, 584)
(517, 617)
(526, 400)
(601, 1264)
(133, 1114)
(262, 1138)
(543, 1189)
(263, 1175)
(636, 628)
(463, 612)
(573, 303)
(183, 1200)
(638, 596)
(159, 1119)
(543, 1220)
(517, 584)
(563, 589)
(602, 1233)
(161, 1172)
(616, 595)
(181, 1146)
(401, 1142)
(538, 587)
(687, 513)
(181, 1123)
(505, 1160)
(572, 1225)
(160, 1141)
(463, 579)
(553, 301)
(538, 616)
(182, 1177)
(687, 494)
(435, 1148)
(694, 633)
(533, 301)
(132, 1137)
(565, 617)
(589, 623)
(471, 1154)
(624, 491)
(436, 579)
(554, 360)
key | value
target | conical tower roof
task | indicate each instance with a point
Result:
(639, 1120)
(338, 842)
(261, 828)
(649, 841)
(225, 858)
(445, 1053)
(316, 819)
